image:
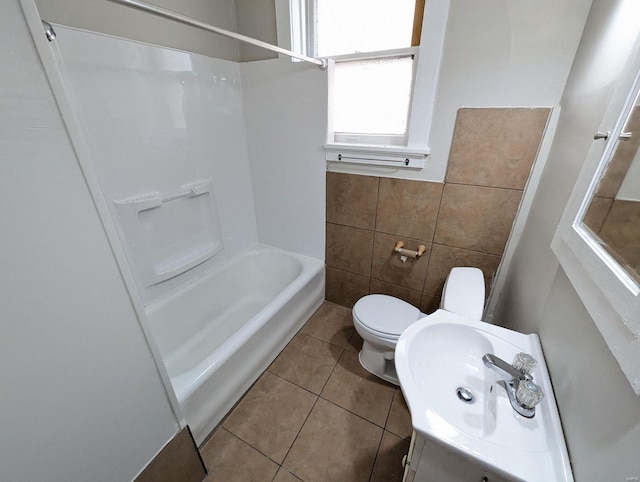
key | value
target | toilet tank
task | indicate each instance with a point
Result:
(463, 293)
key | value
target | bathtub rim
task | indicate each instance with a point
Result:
(186, 384)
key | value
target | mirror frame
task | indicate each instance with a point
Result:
(609, 293)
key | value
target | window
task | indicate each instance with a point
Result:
(383, 73)
(372, 80)
(381, 81)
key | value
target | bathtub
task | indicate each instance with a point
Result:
(220, 332)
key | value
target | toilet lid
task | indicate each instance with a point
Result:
(385, 314)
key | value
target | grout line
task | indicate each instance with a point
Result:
(300, 430)
(375, 231)
(352, 413)
(375, 459)
(328, 342)
(389, 412)
(468, 249)
(488, 187)
(295, 384)
(313, 406)
(350, 226)
(435, 226)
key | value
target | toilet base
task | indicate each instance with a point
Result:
(379, 361)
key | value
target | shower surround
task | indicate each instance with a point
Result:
(165, 132)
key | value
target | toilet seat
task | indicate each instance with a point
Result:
(384, 316)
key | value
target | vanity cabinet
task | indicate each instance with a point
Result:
(429, 461)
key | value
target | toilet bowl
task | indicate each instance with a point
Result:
(381, 319)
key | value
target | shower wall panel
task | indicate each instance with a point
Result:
(156, 123)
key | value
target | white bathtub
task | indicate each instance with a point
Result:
(221, 331)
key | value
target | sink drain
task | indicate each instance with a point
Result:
(465, 395)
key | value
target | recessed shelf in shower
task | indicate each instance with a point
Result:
(168, 234)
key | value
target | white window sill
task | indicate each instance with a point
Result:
(374, 155)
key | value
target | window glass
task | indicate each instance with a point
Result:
(372, 96)
(352, 26)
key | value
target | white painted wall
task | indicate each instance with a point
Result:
(106, 17)
(163, 118)
(599, 410)
(497, 53)
(257, 19)
(286, 111)
(81, 397)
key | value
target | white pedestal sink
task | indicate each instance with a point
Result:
(442, 353)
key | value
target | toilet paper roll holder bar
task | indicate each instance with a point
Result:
(399, 248)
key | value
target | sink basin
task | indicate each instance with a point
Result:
(439, 357)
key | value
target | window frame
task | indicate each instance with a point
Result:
(413, 154)
(369, 139)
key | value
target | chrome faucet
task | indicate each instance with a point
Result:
(523, 394)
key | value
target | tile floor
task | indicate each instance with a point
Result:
(314, 415)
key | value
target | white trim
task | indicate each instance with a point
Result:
(392, 156)
(377, 54)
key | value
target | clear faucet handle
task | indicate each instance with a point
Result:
(524, 363)
(529, 394)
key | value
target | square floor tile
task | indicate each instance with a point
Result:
(285, 476)
(332, 323)
(355, 389)
(399, 421)
(307, 362)
(355, 343)
(388, 466)
(270, 415)
(232, 460)
(334, 445)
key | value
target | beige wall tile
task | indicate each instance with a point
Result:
(349, 249)
(333, 434)
(270, 415)
(355, 389)
(475, 217)
(222, 454)
(408, 208)
(351, 199)
(443, 258)
(622, 158)
(621, 232)
(429, 303)
(345, 288)
(495, 146)
(597, 212)
(410, 296)
(387, 265)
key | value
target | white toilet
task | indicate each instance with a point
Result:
(381, 319)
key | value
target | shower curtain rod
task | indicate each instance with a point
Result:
(161, 12)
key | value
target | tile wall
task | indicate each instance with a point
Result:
(464, 221)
